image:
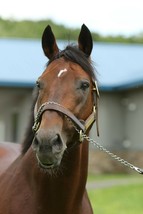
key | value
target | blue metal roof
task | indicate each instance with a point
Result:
(22, 61)
(119, 66)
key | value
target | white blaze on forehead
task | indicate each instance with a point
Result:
(61, 72)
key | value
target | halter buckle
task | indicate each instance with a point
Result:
(94, 111)
(81, 137)
(95, 88)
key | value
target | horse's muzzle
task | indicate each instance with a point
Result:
(49, 149)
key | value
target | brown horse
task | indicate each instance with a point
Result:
(8, 153)
(49, 176)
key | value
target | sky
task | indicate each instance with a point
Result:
(103, 16)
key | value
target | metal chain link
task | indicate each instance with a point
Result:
(112, 155)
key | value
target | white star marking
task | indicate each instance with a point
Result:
(61, 72)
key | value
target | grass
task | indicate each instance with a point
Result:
(123, 199)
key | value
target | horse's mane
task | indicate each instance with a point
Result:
(29, 135)
(70, 53)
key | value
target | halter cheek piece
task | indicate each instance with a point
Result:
(82, 126)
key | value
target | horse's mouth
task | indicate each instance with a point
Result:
(46, 165)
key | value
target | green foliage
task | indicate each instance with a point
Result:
(34, 29)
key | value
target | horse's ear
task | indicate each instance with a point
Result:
(49, 44)
(85, 42)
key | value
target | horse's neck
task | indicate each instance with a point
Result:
(68, 187)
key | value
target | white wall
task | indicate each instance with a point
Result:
(110, 121)
(133, 106)
(121, 120)
(13, 102)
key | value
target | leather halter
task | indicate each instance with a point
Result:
(82, 125)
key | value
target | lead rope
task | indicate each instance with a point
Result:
(83, 136)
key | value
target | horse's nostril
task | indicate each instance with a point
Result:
(57, 142)
(56, 139)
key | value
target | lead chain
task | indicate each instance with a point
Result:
(115, 157)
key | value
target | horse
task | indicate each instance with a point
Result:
(8, 153)
(50, 174)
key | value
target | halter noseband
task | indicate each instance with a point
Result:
(82, 125)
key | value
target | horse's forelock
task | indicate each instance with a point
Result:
(74, 54)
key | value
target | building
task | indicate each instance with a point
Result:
(121, 105)
(120, 75)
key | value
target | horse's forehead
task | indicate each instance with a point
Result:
(60, 69)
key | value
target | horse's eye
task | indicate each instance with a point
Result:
(38, 84)
(84, 85)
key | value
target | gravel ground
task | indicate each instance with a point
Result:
(113, 182)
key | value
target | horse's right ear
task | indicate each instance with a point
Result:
(49, 44)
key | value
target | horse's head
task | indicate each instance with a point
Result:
(65, 97)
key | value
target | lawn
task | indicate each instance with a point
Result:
(120, 199)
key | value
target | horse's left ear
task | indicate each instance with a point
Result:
(49, 44)
(85, 42)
